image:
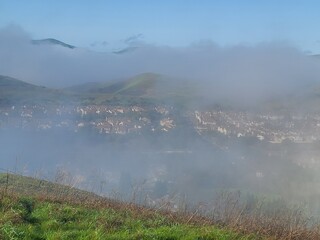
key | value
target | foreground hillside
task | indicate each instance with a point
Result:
(37, 209)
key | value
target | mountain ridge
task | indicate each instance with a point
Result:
(142, 88)
(52, 41)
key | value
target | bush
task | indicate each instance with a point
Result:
(26, 207)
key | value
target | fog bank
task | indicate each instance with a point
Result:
(241, 72)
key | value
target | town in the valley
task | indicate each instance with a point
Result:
(104, 119)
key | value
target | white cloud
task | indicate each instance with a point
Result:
(239, 72)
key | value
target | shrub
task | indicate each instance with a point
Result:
(26, 207)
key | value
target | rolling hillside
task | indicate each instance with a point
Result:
(12, 84)
(32, 208)
(139, 85)
(144, 88)
(14, 91)
(37, 209)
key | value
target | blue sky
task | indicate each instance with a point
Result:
(174, 23)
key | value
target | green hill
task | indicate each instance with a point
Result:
(146, 87)
(136, 86)
(31, 209)
(143, 84)
(37, 209)
(28, 186)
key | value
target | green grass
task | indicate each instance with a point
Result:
(37, 209)
(27, 218)
(28, 186)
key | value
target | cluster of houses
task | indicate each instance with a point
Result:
(136, 119)
(267, 127)
(104, 119)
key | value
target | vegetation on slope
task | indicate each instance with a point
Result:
(30, 209)
(26, 218)
(37, 209)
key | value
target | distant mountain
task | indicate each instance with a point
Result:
(52, 41)
(55, 42)
(145, 88)
(137, 85)
(141, 89)
(12, 84)
(143, 85)
(14, 91)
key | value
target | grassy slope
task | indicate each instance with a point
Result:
(141, 89)
(136, 86)
(34, 209)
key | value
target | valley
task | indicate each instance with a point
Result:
(116, 119)
(143, 141)
(161, 120)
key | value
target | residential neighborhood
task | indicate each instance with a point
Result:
(265, 127)
(103, 119)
